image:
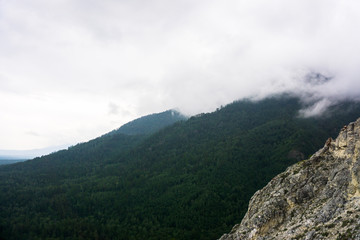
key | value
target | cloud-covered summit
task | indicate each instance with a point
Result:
(65, 63)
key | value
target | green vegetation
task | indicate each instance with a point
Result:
(150, 123)
(190, 180)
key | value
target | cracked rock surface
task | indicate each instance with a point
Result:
(318, 198)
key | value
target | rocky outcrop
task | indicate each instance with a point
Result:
(318, 198)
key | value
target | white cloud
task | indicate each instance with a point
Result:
(65, 64)
(316, 109)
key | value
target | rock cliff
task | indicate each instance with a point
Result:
(318, 198)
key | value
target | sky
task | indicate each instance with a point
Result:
(72, 70)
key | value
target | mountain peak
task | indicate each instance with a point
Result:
(150, 123)
(318, 198)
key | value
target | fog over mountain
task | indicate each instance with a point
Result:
(73, 70)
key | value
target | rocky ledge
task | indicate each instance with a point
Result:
(318, 198)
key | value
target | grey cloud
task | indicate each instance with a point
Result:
(148, 56)
(118, 110)
(113, 109)
(31, 133)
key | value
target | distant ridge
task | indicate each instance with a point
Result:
(150, 123)
(10, 161)
(29, 154)
(144, 125)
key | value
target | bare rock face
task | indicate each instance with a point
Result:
(318, 198)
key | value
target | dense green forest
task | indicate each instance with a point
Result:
(190, 180)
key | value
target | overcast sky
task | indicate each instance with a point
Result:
(71, 70)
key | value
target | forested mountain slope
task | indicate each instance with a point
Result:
(84, 158)
(314, 199)
(150, 123)
(191, 180)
